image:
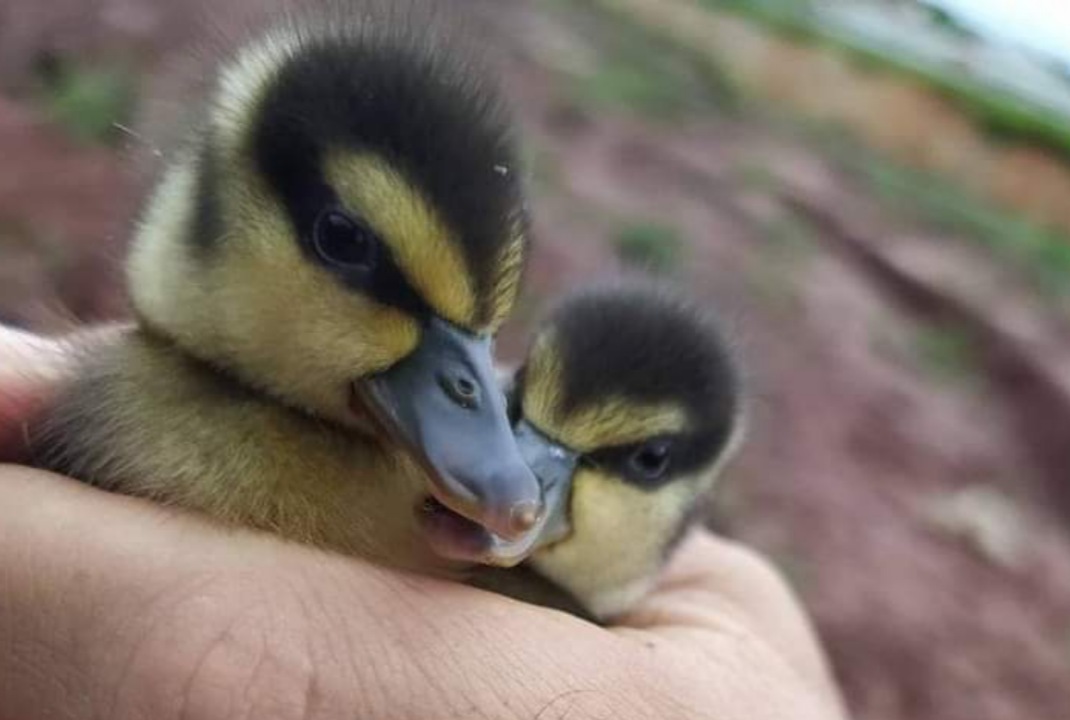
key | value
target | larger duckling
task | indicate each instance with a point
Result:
(317, 280)
(628, 406)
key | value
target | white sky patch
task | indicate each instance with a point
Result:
(1042, 25)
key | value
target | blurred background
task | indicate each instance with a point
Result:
(876, 197)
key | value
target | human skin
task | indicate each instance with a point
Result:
(114, 607)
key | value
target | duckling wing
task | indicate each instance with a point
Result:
(144, 419)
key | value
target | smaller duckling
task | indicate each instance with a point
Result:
(627, 408)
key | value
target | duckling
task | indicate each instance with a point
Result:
(628, 406)
(317, 280)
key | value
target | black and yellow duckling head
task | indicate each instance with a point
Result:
(627, 407)
(346, 233)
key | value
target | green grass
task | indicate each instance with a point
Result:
(86, 101)
(634, 88)
(640, 71)
(649, 245)
(756, 175)
(948, 353)
(1042, 253)
(789, 242)
(1001, 114)
(793, 238)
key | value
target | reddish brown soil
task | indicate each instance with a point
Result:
(61, 209)
(856, 439)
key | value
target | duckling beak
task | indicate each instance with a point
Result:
(442, 403)
(554, 465)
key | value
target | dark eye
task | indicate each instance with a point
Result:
(651, 460)
(344, 242)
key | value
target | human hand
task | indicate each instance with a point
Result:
(114, 607)
(32, 368)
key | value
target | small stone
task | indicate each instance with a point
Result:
(989, 521)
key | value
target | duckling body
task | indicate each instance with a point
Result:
(629, 396)
(317, 280)
(143, 419)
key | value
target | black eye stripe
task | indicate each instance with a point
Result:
(292, 165)
(688, 453)
(621, 460)
(382, 280)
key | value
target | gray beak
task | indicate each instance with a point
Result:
(444, 405)
(554, 466)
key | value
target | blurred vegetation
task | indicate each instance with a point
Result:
(87, 101)
(948, 352)
(756, 176)
(634, 87)
(792, 236)
(1000, 114)
(640, 71)
(649, 245)
(947, 22)
(790, 241)
(1042, 253)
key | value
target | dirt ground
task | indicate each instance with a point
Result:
(908, 463)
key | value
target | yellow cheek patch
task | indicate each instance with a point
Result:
(297, 301)
(612, 421)
(618, 539)
(425, 248)
(283, 323)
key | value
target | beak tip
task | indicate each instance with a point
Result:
(525, 516)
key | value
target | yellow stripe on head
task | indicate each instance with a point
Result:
(508, 271)
(609, 422)
(619, 421)
(542, 387)
(423, 245)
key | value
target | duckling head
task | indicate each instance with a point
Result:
(627, 407)
(345, 233)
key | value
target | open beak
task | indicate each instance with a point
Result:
(443, 404)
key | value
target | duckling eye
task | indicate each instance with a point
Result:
(651, 460)
(344, 242)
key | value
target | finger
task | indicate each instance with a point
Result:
(25, 356)
(26, 362)
(725, 587)
(32, 370)
(29, 366)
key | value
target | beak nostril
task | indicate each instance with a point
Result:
(460, 389)
(466, 388)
